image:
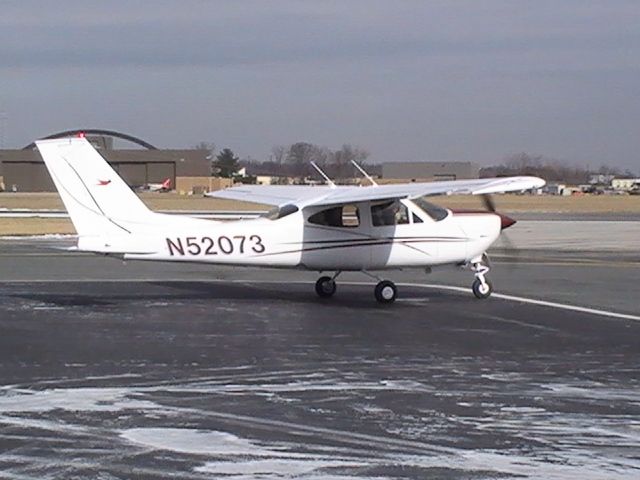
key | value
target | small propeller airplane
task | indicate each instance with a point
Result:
(328, 228)
(165, 186)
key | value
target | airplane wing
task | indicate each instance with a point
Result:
(304, 196)
(274, 194)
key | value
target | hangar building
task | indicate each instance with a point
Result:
(429, 171)
(24, 171)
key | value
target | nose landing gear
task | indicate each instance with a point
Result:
(482, 287)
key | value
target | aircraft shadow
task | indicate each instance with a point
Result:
(167, 291)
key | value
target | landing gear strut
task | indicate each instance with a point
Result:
(385, 290)
(482, 287)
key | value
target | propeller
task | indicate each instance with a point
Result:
(506, 222)
(488, 202)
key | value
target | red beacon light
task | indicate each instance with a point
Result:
(81, 135)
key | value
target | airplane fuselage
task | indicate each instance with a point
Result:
(294, 242)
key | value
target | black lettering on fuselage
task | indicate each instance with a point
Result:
(196, 246)
(175, 247)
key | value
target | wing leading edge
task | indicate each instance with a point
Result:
(304, 196)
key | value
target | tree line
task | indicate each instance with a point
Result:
(550, 169)
(289, 160)
(295, 161)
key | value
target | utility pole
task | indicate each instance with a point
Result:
(3, 129)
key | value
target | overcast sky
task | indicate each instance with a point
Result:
(406, 80)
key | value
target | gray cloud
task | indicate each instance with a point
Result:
(408, 80)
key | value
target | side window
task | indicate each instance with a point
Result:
(346, 216)
(350, 216)
(416, 218)
(390, 213)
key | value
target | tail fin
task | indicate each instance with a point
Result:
(166, 185)
(99, 202)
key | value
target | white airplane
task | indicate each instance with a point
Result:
(323, 228)
(165, 186)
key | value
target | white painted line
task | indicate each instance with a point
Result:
(502, 296)
(532, 301)
(453, 288)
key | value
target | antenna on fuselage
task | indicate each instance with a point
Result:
(324, 175)
(362, 171)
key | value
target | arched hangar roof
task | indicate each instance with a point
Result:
(95, 131)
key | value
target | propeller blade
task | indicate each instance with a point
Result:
(489, 203)
(507, 245)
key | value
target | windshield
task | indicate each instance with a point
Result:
(434, 211)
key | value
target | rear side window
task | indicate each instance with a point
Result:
(344, 216)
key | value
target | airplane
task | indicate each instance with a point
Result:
(329, 228)
(165, 186)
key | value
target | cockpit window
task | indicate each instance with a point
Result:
(389, 213)
(279, 212)
(434, 211)
(346, 216)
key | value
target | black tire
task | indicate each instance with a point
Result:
(325, 287)
(481, 292)
(386, 292)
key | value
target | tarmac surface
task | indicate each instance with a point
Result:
(141, 370)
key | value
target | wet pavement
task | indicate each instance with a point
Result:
(208, 379)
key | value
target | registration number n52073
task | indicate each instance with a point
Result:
(222, 245)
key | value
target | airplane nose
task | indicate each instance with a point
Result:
(505, 222)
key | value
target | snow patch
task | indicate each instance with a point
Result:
(71, 399)
(252, 469)
(197, 442)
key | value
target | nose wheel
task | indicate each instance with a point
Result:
(482, 290)
(481, 287)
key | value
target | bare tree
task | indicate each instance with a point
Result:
(341, 159)
(538, 165)
(295, 160)
(301, 154)
(211, 149)
(279, 154)
(208, 146)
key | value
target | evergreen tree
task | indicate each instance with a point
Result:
(226, 163)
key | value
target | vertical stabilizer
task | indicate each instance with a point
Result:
(99, 202)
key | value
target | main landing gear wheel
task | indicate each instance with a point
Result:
(481, 289)
(325, 287)
(386, 291)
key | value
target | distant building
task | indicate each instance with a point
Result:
(429, 171)
(600, 179)
(273, 180)
(625, 184)
(24, 171)
(554, 189)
